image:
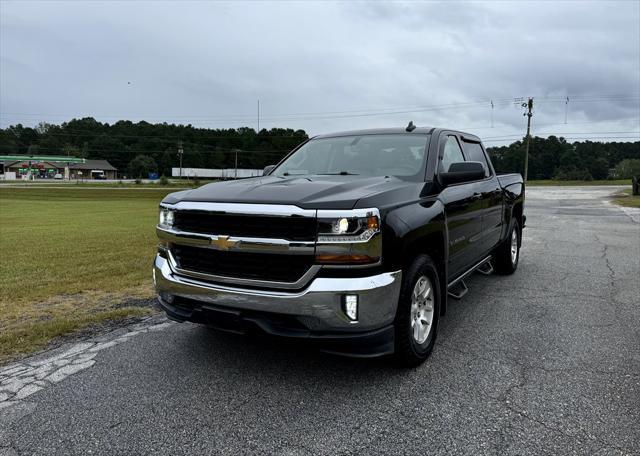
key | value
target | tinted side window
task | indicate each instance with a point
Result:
(452, 154)
(474, 152)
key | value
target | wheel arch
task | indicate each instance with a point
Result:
(434, 245)
(415, 229)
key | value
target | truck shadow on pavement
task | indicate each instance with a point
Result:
(260, 350)
(215, 349)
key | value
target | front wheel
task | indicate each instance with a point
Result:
(508, 254)
(418, 312)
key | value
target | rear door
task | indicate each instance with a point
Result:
(463, 209)
(491, 194)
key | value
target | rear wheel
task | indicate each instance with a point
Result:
(418, 312)
(508, 254)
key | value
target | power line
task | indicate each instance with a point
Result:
(250, 116)
(486, 127)
(568, 133)
(355, 112)
(573, 138)
(348, 113)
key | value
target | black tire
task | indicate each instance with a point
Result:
(408, 352)
(504, 263)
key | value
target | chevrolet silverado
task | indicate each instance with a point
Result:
(354, 240)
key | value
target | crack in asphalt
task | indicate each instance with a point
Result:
(22, 379)
(522, 381)
(612, 283)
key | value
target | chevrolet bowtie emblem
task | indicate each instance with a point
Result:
(223, 242)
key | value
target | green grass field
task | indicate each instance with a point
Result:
(70, 257)
(627, 199)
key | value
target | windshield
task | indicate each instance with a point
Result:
(401, 155)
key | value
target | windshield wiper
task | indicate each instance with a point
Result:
(341, 173)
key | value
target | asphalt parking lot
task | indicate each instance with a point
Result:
(546, 361)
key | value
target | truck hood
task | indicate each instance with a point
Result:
(308, 192)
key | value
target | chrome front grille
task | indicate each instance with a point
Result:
(292, 228)
(242, 265)
(270, 246)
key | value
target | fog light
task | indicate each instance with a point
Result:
(350, 305)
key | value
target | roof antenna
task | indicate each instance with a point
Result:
(410, 127)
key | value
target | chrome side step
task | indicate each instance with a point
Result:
(486, 268)
(457, 289)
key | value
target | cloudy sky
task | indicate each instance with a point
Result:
(326, 66)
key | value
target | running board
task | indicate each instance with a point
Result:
(486, 268)
(458, 290)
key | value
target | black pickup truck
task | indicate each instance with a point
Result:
(354, 241)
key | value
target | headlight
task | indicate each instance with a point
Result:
(166, 218)
(349, 228)
(349, 237)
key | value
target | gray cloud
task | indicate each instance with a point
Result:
(208, 63)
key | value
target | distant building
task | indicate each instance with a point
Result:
(92, 169)
(221, 173)
(42, 169)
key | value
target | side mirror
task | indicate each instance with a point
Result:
(462, 172)
(268, 169)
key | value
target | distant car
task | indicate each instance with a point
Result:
(99, 176)
(58, 176)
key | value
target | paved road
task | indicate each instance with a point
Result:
(543, 362)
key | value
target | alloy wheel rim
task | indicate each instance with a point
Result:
(421, 309)
(514, 246)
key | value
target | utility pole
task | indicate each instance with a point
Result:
(180, 152)
(529, 106)
(258, 115)
(236, 164)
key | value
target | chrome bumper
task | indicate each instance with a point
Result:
(318, 306)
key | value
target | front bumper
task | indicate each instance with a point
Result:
(316, 311)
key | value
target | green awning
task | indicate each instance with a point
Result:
(48, 158)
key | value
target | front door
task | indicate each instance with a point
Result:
(463, 209)
(492, 197)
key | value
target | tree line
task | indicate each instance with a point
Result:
(137, 148)
(555, 158)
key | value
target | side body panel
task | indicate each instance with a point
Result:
(492, 197)
(463, 207)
